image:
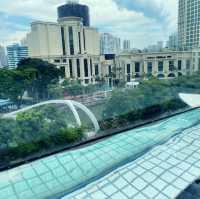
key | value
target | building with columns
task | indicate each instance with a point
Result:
(70, 43)
(162, 65)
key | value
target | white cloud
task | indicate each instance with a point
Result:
(105, 14)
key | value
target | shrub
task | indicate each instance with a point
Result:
(71, 135)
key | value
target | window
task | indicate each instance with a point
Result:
(160, 66)
(63, 40)
(179, 64)
(71, 41)
(96, 69)
(171, 66)
(91, 67)
(109, 70)
(137, 67)
(149, 67)
(128, 68)
(78, 68)
(86, 67)
(70, 68)
(84, 42)
(57, 61)
(79, 40)
(188, 62)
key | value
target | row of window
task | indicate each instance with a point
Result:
(71, 41)
(160, 66)
(86, 68)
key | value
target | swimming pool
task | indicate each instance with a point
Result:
(68, 171)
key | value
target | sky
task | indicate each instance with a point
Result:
(144, 22)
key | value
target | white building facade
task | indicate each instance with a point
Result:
(68, 44)
(129, 67)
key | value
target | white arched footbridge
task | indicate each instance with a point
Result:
(70, 103)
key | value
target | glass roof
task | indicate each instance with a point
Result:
(162, 173)
(69, 171)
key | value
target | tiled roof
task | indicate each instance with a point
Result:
(135, 162)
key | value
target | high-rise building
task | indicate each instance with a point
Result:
(3, 58)
(172, 43)
(73, 8)
(159, 45)
(155, 47)
(15, 54)
(189, 24)
(110, 44)
(75, 45)
(127, 45)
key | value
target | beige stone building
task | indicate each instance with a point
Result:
(134, 66)
(68, 44)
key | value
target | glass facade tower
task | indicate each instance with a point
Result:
(15, 54)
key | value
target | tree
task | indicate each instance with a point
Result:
(13, 84)
(55, 91)
(73, 87)
(71, 135)
(42, 74)
(33, 125)
(9, 132)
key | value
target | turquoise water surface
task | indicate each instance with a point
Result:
(68, 171)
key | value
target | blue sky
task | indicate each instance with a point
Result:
(144, 22)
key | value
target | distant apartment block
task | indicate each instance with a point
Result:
(3, 58)
(110, 44)
(158, 47)
(15, 54)
(172, 43)
(126, 45)
(189, 24)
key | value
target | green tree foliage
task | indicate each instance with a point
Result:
(71, 135)
(13, 84)
(151, 99)
(74, 88)
(8, 132)
(36, 131)
(42, 74)
(34, 126)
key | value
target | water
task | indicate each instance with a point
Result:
(63, 173)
